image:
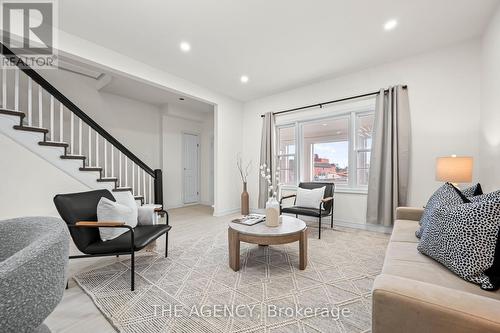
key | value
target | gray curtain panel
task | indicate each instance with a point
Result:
(389, 162)
(266, 154)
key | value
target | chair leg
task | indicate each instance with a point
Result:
(296, 215)
(132, 271)
(166, 245)
(331, 225)
(67, 284)
(319, 237)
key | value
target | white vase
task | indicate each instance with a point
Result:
(272, 212)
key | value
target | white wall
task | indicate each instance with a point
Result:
(228, 112)
(175, 122)
(444, 89)
(135, 124)
(29, 183)
(490, 106)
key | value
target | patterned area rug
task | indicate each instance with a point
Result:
(194, 290)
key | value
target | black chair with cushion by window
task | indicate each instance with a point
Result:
(324, 208)
(79, 211)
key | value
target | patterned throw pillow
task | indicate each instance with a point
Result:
(446, 195)
(473, 190)
(492, 196)
(494, 271)
(464, 238)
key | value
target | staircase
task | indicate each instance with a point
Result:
(40, 117)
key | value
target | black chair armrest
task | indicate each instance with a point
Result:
(287, 197)
(94, 224)
(99, 224)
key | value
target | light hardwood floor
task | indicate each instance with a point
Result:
(77, 313)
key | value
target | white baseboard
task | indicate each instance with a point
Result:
(226, 212)
(341, 223)
(181, 205)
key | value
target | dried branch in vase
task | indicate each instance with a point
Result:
(244, 171)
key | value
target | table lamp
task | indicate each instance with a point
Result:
(454, 169)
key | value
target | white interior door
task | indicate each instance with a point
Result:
(191, 147)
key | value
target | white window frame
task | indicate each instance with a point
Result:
(352, 113)
(295, 155)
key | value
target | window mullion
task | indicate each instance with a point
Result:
(352, 151)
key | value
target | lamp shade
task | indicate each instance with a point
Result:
(454, 169)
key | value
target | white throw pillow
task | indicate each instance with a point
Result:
(126, 198)
(310, 198)
(110, 211)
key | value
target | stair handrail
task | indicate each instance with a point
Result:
(21, 65)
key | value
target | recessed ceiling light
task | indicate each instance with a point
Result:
(391, 24)
(244, 79)
(185, 47)
(324, 124)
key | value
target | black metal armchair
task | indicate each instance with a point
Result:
(79, 211)
(325, 207)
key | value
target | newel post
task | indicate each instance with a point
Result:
(158, 187)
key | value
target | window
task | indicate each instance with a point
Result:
(335, 149)
(287, 155)
(364, 129)
(326, 151)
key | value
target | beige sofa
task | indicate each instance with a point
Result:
(417, 294)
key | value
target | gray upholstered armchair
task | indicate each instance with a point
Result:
(33, 263)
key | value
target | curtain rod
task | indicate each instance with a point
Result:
(320, 105)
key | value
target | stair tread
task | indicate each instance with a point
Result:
(10, 112)
(53, 143)
(108, 179)
(91, 169)
(31, 129)
(73, 157)
(118, 189)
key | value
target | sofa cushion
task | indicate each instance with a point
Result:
(464, 238)
(446, 195)
(404, 231)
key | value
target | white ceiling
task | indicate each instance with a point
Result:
(150, 94)
(279, 44)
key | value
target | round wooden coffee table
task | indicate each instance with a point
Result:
(290, 230)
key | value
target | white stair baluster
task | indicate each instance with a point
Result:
(133, 178)
(126, 171)
(51, 118)
(90, 147)
(144, 185)
(40, 102)
(105, 159)
(119, 168)
(150, 190)
(30, 97)
(4, 87)
(80, 136)
(96, 149)
(16, 92)
(112, 161)
(72, 133)
(138, 181)
(61, 121)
